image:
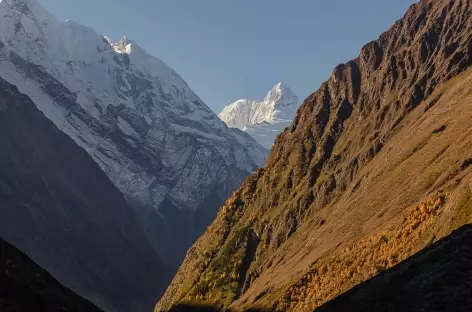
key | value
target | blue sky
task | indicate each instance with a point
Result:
(227, 50)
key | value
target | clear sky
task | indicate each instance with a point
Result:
(231, 49)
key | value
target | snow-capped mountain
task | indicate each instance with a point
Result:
(263, 120)
(172, 157)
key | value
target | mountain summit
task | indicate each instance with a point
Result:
(263, 120)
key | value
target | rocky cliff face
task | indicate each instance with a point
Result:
(24, 286)
(375, 167)
(159, 144)
(57, 206)
(265, 120)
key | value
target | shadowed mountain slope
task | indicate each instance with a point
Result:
(438, 278)
(57, 206)
(375, 167)
(24, 286)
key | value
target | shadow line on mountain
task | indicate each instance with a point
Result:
(437, 278)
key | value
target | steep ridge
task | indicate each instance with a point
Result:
(58, 207)
(263, 120)
(172, 157)
(375, 167)
(24, 286)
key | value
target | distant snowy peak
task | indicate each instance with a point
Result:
(280, 103)
(281, 95)
(263, 120)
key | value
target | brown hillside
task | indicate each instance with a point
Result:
(376, 167)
